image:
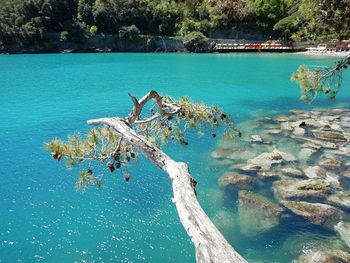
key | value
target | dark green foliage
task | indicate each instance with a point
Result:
(196, 42)
(317, 20)
(26, 23)
(64, 36)
(234, 11)
(269, 12)
(128, 32)
(104, 147)
(288, 24)
(321, 80)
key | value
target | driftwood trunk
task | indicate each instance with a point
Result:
(209, 243)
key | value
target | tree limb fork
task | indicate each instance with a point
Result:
(210, 244)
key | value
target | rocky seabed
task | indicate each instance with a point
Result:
(303, 159)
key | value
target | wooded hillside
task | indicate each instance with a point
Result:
(31, 21)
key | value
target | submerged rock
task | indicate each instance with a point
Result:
(324, 256)
(256, 138)
(266, 160)
(297, 112)
(246, 167)
(336, 127)
(346, 175)
(330, 136)
(292, 172)
(332, 164)
(315, 172)
(267, 175)
(236, 181)
(271, 126)
(345, 122)
(286, 126)
(311, 190)
(333, 180)
(306, 123)
(285, 156)
(320, 174)
(311, 146)
(273, 131)
(256, 213)
(249, 125)
(337, 111)
(308, 241)
(345, 149)
(342, 151)
(317, 144)
(299, 131)
(343, 229)
(305, 154)
(315, 213)
(222, 153)
(282, 118)
(340, 199)
(344, 179)
(265, 119)
(241, 153)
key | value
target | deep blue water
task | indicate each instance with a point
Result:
(44, 219)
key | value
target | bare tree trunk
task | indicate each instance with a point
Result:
(209, 243)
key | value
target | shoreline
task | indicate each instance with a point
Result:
(304, 53)
(324, 54)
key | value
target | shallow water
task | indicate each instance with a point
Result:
(43, 218)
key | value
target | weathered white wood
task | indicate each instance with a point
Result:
(209, 243)
(134, 115)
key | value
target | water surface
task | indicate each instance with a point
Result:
(44, 219)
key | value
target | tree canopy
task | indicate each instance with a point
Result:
(167, 120)
(117, 141)
(319, 80)
(33, 21)
(316, 20)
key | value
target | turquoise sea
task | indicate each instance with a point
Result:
(44, 219)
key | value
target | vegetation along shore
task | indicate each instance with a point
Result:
(275, 188)
(38, 26)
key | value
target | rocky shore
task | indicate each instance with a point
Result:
(303, 160)
(99, 44)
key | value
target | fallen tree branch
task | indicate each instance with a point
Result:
(114, 145)
(209, 243)
(134, 116)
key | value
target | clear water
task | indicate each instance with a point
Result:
(44, 219)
